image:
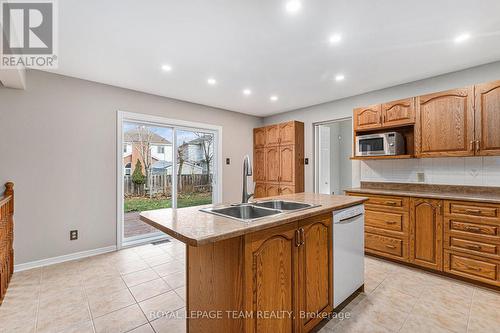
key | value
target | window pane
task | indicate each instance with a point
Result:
(195, 167)
(147, 174)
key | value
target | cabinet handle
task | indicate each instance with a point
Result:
(302, 236)
(473, 229)
(478, 145)
(390, 246)
(391, 203)
(474, 247)
(477, 269)
(473, 211)
(297, 238)
(472, 145)
(390, 222)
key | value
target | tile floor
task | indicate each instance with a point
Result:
(127, 291)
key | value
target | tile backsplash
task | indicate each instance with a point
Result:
(479, 171)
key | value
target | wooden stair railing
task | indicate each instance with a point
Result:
(6, 238)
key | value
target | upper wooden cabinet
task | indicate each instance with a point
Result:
(287, 133)
(272, 135)
(398, 113)
(259, 137)
(426, 233)
(368, 118)
(487, 119)
(279, 158)
(445, 124)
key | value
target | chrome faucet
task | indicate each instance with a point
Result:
(247, 171)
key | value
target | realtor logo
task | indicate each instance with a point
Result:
(29, 34)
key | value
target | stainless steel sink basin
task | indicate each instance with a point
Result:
(283, 205)
(249, 212)
(244, 212)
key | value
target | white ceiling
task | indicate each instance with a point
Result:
(256, 44)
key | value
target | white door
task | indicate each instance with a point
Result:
(324, 160)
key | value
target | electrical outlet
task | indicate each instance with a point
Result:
(420, 177)
(306, 161)
(73, 235)
(228, 161)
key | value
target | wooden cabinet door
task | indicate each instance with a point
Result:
(368, 118)
(487, 112)
(287, 133)
(271, 258)
(259, 165)
(426, 233)
(259, 190)
(272, 164)
(315, 269)
(272, 190)
(399, 113)
(259, 137)
(272, 135)
(287, 164)
(287, 189)
(445, 124)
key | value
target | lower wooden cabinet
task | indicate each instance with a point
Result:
(460, 238)
(315, 270)
(472, 267)
(426, 233)
(296, 260)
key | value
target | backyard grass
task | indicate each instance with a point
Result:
(139, 204)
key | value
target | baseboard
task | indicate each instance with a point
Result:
(60, 259)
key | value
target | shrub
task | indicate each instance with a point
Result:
(137, 176)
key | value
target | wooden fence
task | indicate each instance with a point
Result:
(162, 184)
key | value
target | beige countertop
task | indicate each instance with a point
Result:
(438, 194)
(193, 227)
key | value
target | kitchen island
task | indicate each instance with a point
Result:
(272, 274)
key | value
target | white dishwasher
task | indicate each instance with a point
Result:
(348, 252)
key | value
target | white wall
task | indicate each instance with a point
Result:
(343, 108)
(58, 145)
(478, 171)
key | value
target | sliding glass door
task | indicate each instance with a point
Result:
(164, 165)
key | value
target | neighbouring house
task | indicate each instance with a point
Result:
(199, 151)
(144, 145)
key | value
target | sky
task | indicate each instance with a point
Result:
(165, 132)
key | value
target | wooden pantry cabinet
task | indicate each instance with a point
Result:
(458, 238)
(279, 159)
(296, 260)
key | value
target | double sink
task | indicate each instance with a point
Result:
(249, 212)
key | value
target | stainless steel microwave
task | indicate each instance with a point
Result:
(380, 144)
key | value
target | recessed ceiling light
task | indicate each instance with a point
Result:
(273, 98)
(462, 38)
(339, 77)
(335, 38)
(166, 68)
(293, 6)
(247, 92)
(211, 81)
